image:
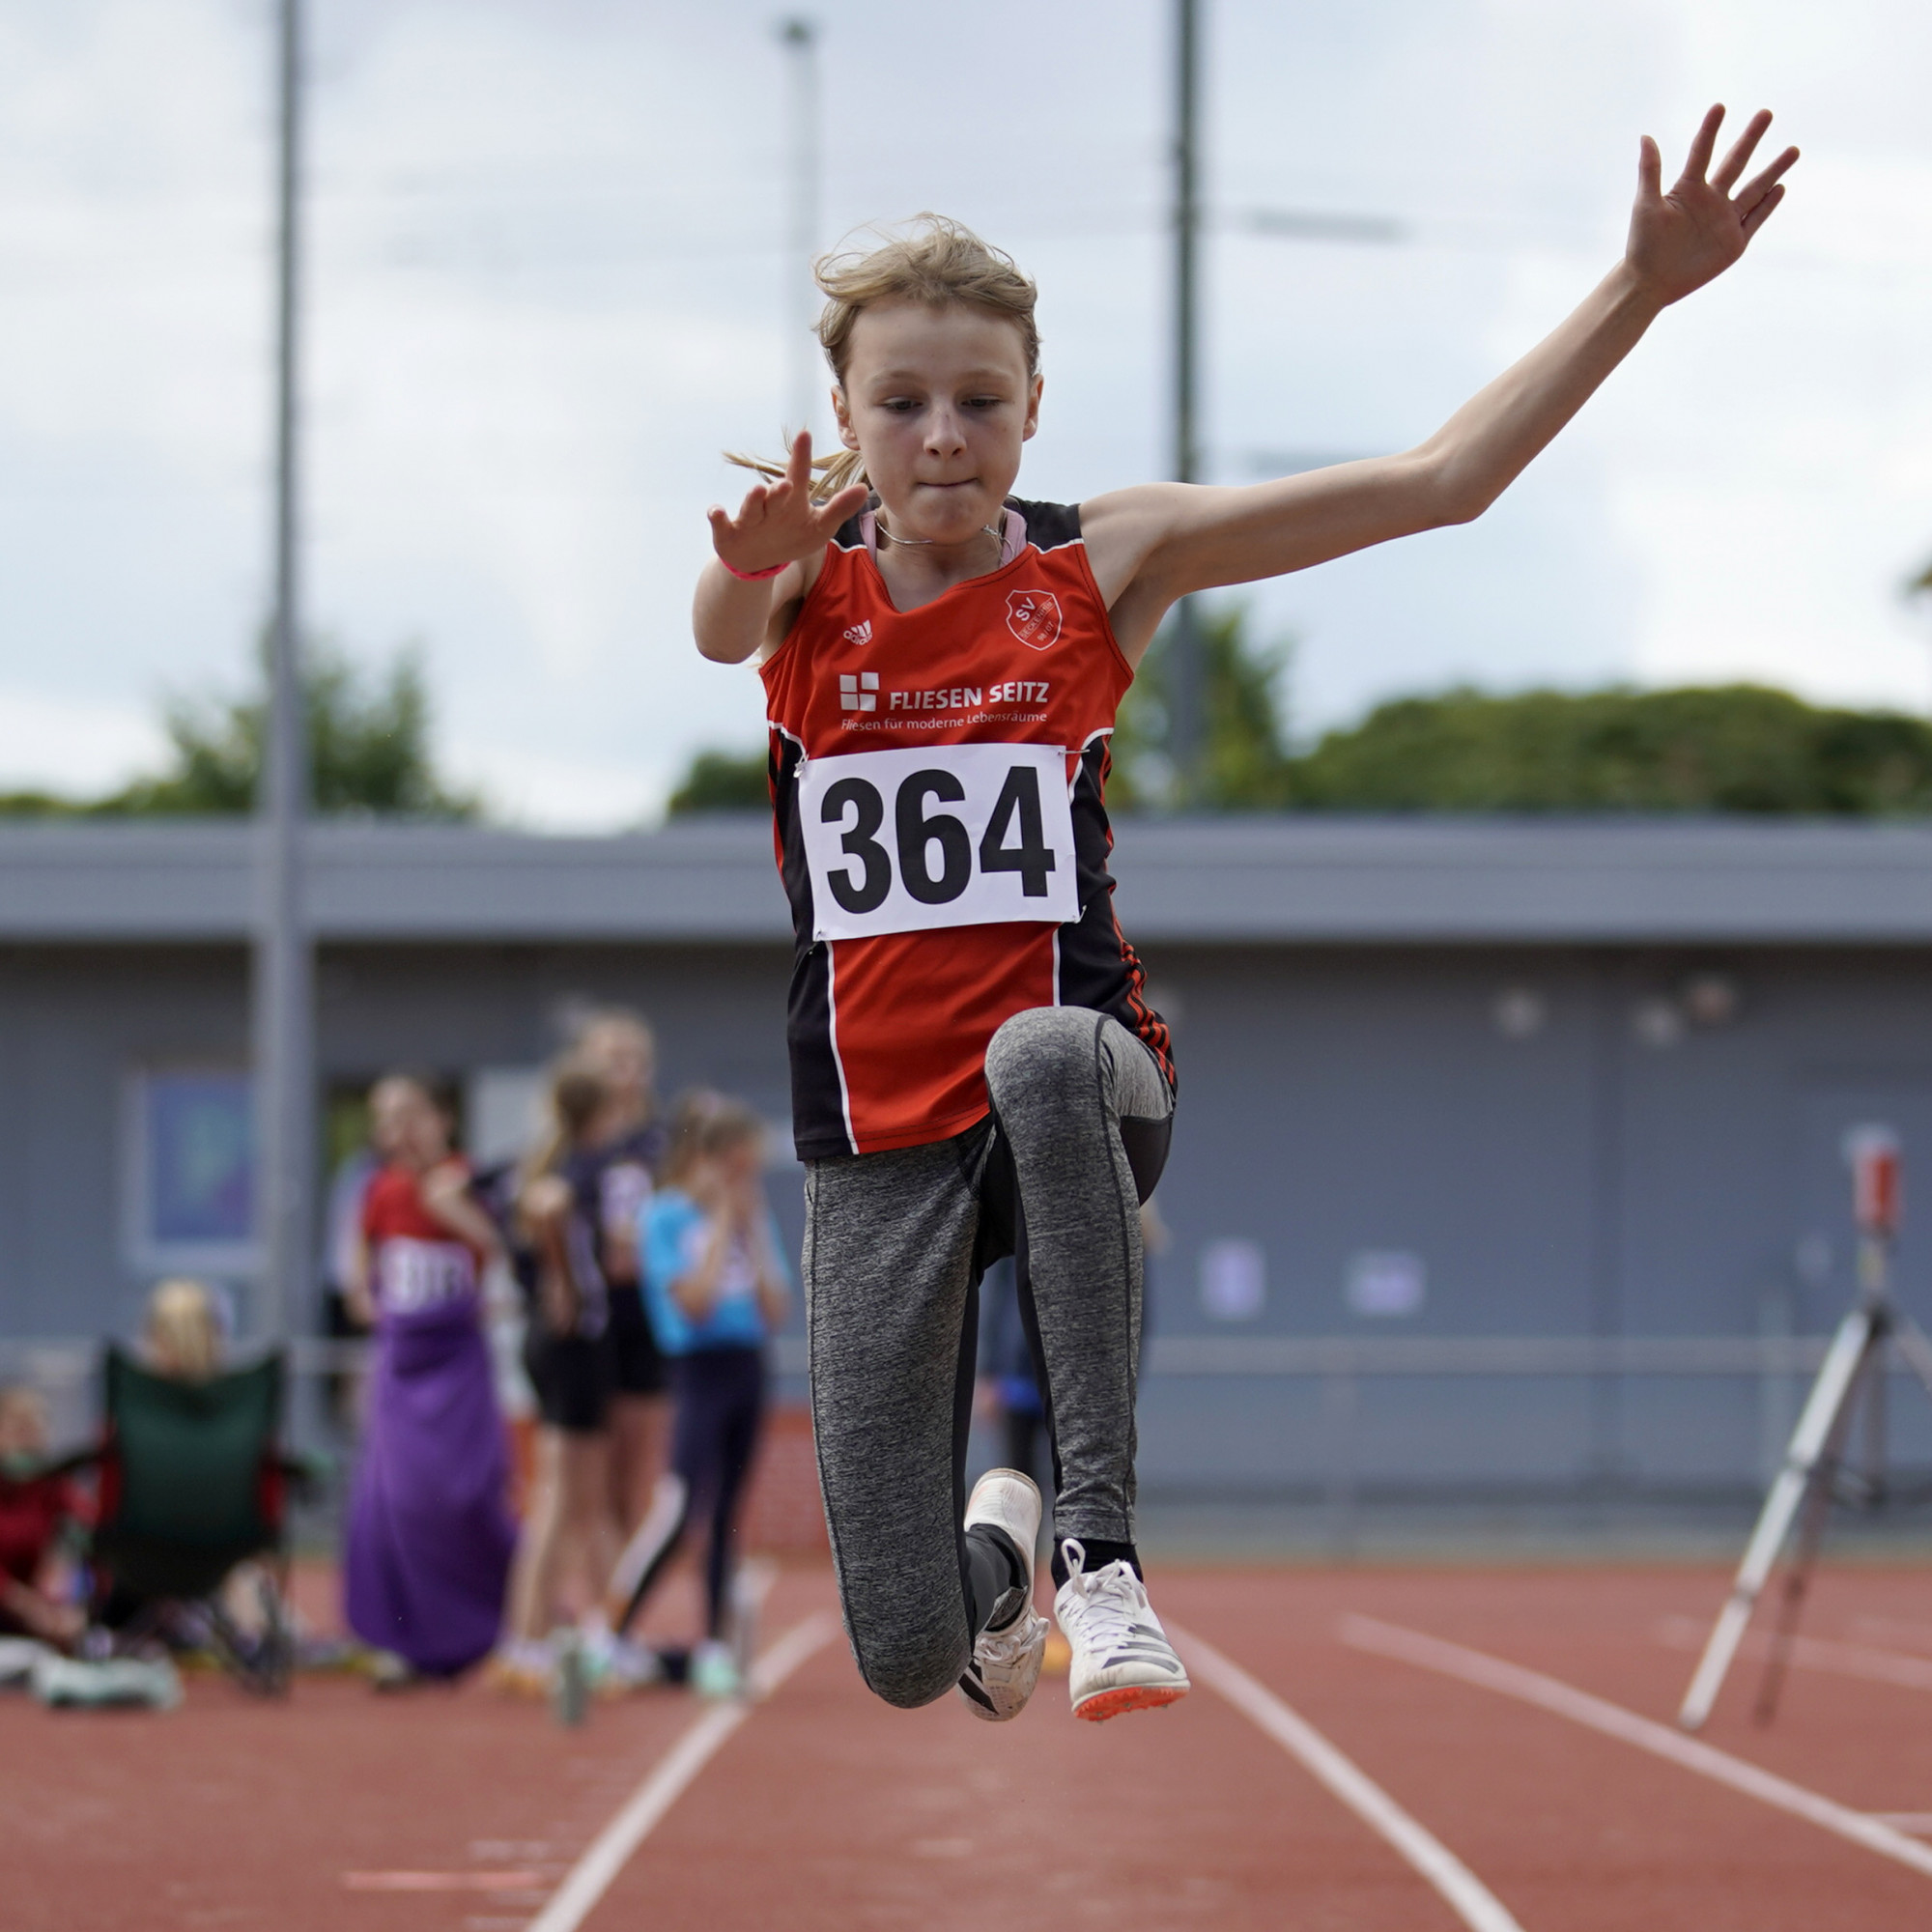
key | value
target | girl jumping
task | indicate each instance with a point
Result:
(976, 1070)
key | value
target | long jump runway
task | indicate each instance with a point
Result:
(1364, 1748)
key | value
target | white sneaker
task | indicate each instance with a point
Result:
(1006, 1661)
(713, 1673)
(1122, 1658)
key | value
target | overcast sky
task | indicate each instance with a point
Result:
(547, 286)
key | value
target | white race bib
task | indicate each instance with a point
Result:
(938, 836)
(414, 1275)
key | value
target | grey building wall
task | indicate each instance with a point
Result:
(1346, 1090)
(1337, 1102)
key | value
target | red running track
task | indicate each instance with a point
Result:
(828, 1809)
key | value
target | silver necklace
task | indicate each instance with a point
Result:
(997, 531)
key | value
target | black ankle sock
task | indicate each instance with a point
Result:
(1099, 1553)
(996, 1572)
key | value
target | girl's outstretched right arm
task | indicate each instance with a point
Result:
(767, 558)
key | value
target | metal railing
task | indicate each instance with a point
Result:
(65, 1369)
(66, 1361)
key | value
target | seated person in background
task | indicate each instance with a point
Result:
(183, 1339)
(37, 1504)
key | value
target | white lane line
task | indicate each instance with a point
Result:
(1550, 1694)
(1466, 1895)
(607, 1854)
(1919, 1822)
(1812, 1653)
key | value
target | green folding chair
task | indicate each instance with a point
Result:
(192, 1484)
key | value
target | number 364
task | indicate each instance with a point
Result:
(1014, 839)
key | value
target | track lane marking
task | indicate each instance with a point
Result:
(1598, 1713)
(1464, 1894)
(607, 1854)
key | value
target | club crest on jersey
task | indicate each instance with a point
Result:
(1033, 616)
(859, 634)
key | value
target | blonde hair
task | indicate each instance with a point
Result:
(576, 1096)
(184, 1332)
(601, 1023)
(932, 260)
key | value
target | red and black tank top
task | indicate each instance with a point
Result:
(938, 782)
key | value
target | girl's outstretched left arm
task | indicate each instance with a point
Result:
(1151, 545)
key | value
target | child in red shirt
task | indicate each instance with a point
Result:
(36, 1503)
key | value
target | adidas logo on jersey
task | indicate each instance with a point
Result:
(859, 634)
(858, 691)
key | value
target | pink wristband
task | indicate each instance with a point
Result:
(751, 576)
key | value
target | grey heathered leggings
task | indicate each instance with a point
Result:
(895, 1246)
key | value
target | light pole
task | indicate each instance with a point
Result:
(283, 1003)
(1186, 673)
(799, 36)
(1184, 682)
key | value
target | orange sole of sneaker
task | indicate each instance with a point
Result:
(1105, 1704)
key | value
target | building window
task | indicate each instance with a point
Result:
(190, 1172)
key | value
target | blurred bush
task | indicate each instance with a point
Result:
(369, 751)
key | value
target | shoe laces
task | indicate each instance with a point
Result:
(1009, 1644)
(1103, 1606)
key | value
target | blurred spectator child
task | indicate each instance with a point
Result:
(39, 1504)
(1008, 1388)
(568, 1524)
(430, 1535)
(716, 1286)
(614, 1178)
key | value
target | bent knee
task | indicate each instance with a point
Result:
(908, 1676)
(1044, 1046)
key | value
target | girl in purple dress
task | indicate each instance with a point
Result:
(430, 1533)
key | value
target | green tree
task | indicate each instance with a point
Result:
(38, 805)
(369, 751)
(1245, 763)
(1732, 747)
(723, 781)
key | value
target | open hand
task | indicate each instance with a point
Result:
(1680, 240)
(779, 523)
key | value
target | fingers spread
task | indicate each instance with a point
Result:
(1754, 189)
(1649, 169)
(1756, 217)
(1702, 143)
(1739, 158)
(848, 503)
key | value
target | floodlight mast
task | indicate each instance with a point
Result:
(799, 36)
(283, 1003)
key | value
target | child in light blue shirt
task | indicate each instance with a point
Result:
(716, 1286)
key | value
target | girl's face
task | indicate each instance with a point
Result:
(621, 1057)
(728, 1171)
(23, 1424)
(938, 401)
(742, 1162)
(405, 1125)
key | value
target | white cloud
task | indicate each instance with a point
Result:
(71, 748)
(545, 291)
